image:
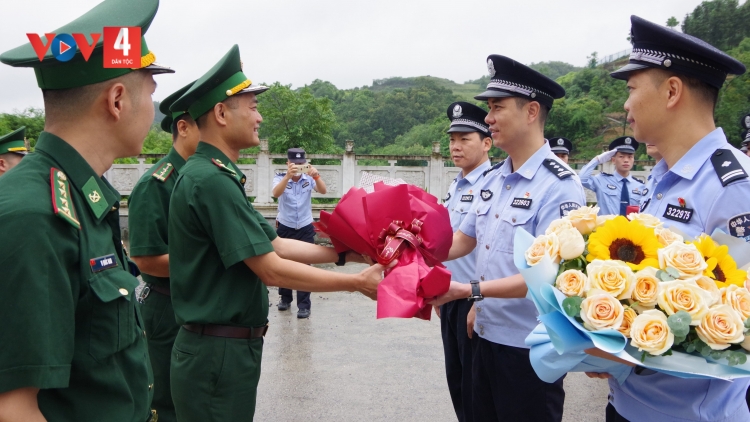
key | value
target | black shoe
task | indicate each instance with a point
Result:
(283, 306)
(303, 313)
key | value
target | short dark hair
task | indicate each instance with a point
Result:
(705, 92)
(230, 102)
(186, 117)
(543, 109)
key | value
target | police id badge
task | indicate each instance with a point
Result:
(739, 226)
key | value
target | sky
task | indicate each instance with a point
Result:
(348, 42)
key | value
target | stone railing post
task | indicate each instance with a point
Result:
(434, 185)
(264, 172)
(349, 168)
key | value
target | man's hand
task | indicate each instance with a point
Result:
(437, 311)
(471, 317)
(370, 278)
(455, 291)
(606, 156)
(600, 375)
(291, 169)
(313, 171)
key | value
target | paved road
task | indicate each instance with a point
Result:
(343, 364)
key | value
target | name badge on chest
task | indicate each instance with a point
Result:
(613, 187)
(676, 213)
(524, 203)
(467, 198)
(103, 263)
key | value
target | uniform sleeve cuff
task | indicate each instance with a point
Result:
(149, 250)
(245, 252)
(42, 377)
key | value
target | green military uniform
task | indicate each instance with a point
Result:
(212, 229)
(71, 322)
(148, 212)
(14, 142)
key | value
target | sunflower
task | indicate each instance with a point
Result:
(627, 241)
(721, 266)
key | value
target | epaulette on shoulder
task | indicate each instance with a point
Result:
(637, 179)
(163, 172)
(493, 168)
(221, 165)
(62, 203)
(605, 173)
(557, 169)
(727, 167)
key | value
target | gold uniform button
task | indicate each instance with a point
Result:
(150, 387)
(514, 219)
(124, 292)
(144, 333)
(659, 196)
(497, 215)
(507, 187)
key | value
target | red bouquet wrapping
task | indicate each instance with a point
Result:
(396, 222)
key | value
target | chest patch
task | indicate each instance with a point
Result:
(739, 226)
(103, 263)
(486, 194)
(645, 204)
(524, 203)
(567, 207)
(467, 198)
(676, 213)
(447, 197)
(636, 192)
(645, 191)
(306, 184)
(613, 187)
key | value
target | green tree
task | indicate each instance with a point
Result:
(32, 118)
(672, 22)
(554, 69)
(733, 96)
(721, 23)
(296, 119)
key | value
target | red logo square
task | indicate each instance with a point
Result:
(122, 47)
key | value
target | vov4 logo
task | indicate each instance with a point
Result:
(122, 46)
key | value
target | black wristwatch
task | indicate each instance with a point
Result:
(342, 259)
(476, 296)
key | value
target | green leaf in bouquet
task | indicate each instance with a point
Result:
(747, 324)
(705, 351)
(716, 354)
(690, 348)
(679, 339)
(643, 357)
(667, 353)
(572, 306)
(673, 272)
(679, 323)
(663, 276)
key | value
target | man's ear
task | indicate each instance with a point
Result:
(220, 114)
(533, 111)
(4, 165)
(115, 100)
(675, 90)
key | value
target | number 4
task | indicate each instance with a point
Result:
(121, 43)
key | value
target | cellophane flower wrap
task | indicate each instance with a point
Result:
(396, 222)
(639, 291)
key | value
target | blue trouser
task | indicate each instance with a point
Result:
(458, 350)
(305, 234)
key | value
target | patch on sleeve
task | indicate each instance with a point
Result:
(727, 168)
(447, 197)
(163, 172)
(62, 203)
(221, 165)
(567, 207)
(557, 169)
(739, 226)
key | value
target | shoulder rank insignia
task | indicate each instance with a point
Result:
(163, 172)
(493, 168)
(62, 203)
(638, 180)
(605, 173)
(727, 167)
(557, 169)
(221, 165)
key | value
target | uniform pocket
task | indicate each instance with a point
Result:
(113, 320)
(512, 219)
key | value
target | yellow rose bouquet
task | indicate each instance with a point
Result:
(639, 291)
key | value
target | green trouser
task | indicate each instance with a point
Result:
(161, 330)
(215, 379)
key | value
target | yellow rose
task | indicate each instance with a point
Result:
(571, 243)
(584, 219)
(646, 289)
(647, 220)
(650, 333)
(710, 286)
(601, 219)
(681, 295)
(602, 311)
(627, 321)
(572, 283)
(720, 327)
(613, 277)
(559, 225)
(546, 244)
(683, 257)
(667, 237)
(738, 298)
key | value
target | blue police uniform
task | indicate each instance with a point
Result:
(295, 209)
(610, 197)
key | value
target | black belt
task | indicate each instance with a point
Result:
(227, 331)
(160, 289)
